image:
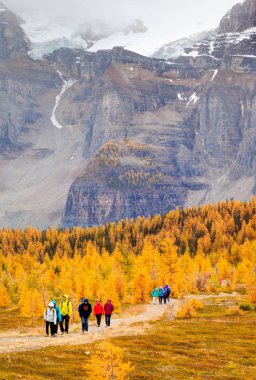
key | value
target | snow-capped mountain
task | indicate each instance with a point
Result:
(233, 42)
(45, 37)
(177, 48)
(88, 138)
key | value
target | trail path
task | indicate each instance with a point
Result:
(14, 341)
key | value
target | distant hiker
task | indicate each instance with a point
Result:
(168, 292)
(160, 294)
(154, 294)
(98, 311)
(56, 307)
(84, 310)
(108, 309)
(66, 312)
(50, 317)
(164, 293)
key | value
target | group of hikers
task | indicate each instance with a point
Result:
(163, 294)
(55, 315)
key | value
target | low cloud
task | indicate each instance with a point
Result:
(170, 19)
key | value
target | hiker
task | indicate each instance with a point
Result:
(164, 293)
(108, 309)
(98, 311)
(50, 317)
(154, 294)
(84, 310)
(168, 292)
(66, 312)
(58, 313)
(160, 294)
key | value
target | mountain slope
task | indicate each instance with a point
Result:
(114, 134)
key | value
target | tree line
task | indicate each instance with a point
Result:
(199, 249)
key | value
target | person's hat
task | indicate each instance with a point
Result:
(65, 296)
(54, 302)
(51, 304)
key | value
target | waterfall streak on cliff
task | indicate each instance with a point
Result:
(214, 74)
(66, 85)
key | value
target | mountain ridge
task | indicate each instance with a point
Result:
(132, 135)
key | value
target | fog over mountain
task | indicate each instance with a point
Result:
(155, 22)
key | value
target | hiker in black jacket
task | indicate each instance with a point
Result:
(84, 310)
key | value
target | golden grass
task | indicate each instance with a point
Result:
(212, 345)
(10, 318)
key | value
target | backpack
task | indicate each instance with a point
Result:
(168, 291)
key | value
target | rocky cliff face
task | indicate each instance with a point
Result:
(195, 116)
(241, 17)
(12, 38)
(114, 134)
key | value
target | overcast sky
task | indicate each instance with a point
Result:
(170, 19)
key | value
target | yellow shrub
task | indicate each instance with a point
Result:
(251, 292)
(189, 309)
(235, 310)
(196, 304)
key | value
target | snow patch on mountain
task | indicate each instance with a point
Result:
(177, 48)
(45, 38)
(215, 72)
(66, 85)
(193, 98)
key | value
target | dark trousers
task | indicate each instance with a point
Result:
(51, 324)
(98, 317)
(168, 297)
(65, 318)
(160, 298)
(164, 297)
(84, 323)
(107, 319)
(56, 328)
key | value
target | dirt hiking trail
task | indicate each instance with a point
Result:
(14, 341)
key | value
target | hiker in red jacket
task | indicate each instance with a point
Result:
(98, 311)
(108, 309)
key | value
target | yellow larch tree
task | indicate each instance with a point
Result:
(31, 304)
(5, 299)
(107, 363)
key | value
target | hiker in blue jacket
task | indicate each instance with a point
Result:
(84, 310)
(160, 294)
(168, 292)
(165, 294)
(154, 294)
(56, 307)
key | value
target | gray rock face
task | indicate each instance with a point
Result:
(193, 116)
(240, 17)
(89, 204)
(22, 84)
(12, 38)
(87, 138)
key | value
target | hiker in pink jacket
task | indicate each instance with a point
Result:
(108, 309)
